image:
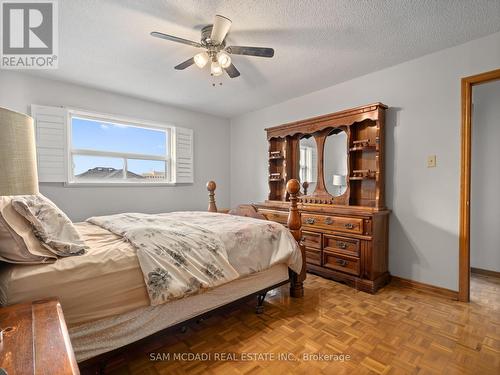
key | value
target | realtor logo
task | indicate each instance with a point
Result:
(29, 34)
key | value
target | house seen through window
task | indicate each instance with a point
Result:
(107, 151)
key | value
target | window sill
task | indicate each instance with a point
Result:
(119, 184)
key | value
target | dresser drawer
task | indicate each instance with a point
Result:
(313, 256)
(343, 245)
(339, 223)
(279, 217)
(311, 239)
(341, 263)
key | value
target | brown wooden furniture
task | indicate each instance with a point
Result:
(345, 233)
(35, 340)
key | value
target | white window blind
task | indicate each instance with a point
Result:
(184, 155)
(51, 142)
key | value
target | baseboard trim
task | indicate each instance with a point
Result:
(427, 288)
(484, 272)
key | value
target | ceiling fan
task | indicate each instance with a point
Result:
(213, 40)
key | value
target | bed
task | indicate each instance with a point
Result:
(103, 294)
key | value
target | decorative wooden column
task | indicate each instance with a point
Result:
(294, 225)
(212, 207)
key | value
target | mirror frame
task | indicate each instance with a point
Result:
(321, 194)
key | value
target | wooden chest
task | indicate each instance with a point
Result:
(346, 244)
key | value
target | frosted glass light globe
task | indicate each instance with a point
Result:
(215, 69)
(224, 59)
(201, 59)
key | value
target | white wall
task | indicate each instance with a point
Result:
(211, 142)
(423, 119)
(485, 186)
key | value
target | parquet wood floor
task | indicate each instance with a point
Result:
(397, 331)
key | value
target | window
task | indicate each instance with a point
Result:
(306, 163)
(105, 150)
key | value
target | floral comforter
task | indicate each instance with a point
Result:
(182, 253)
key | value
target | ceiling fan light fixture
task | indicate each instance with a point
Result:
(224, 59)
(201, 59)
(215, 50)
(215, 69)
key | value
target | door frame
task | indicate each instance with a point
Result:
(465, 179)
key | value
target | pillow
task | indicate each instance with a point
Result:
(18, 243)
(50, 224)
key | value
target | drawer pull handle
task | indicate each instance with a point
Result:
(329, 221)
(349, 226)
(310, 220)
(342, 245)
(342, 262)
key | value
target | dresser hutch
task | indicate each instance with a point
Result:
(339, 159)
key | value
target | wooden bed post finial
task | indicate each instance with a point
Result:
(212, 207)
(294, 223)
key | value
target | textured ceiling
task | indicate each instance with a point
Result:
(106, 44)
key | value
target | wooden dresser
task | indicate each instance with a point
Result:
(339, 158)
(35, 340)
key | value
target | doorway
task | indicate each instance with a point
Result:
(465, 180)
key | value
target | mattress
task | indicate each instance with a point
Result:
(106, 281)
(98, 337)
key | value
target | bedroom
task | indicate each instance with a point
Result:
(350, 130)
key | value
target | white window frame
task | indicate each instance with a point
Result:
(169, 158)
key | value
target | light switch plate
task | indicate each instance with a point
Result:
(431, 161)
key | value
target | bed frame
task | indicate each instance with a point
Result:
(114, 358)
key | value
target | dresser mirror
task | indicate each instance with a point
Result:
(308, 164)
(336, 162)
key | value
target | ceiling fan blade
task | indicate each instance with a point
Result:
(185, 64)
(250, 51)
(172, 38)
(232, 71)
(220, 29)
